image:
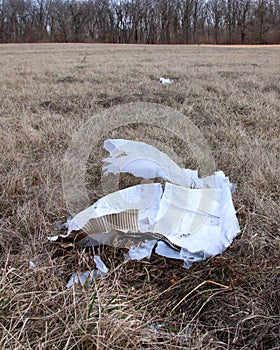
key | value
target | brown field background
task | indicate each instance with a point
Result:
(47, 91)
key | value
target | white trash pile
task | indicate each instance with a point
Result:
(182, 217)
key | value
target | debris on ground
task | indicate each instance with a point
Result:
(87, 277)
(32, 265)
(165, 81)
(83, 278)
(183, 217)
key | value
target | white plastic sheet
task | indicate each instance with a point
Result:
(196, 215)
(165, 81)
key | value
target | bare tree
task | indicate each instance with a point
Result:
(243, 8)
(141, 21)
(187, 8)
(216, 16)
(260, 12)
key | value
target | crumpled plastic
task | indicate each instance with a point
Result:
(165, 81)
(194, 216)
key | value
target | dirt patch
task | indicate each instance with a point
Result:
(67, 104)
(69, 79)
(231, 74)
(74, 104)
(169, 98)
(272, 88)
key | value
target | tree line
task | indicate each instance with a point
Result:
(141, 21)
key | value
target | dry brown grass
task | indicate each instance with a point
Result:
(47, 92)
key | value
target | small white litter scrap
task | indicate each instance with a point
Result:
(187, 218)
(87, 277)
(83, 278)
(32, 265)
(165, 81)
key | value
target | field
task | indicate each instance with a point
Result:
(47, 92)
